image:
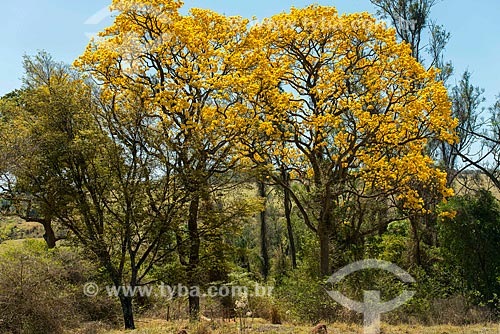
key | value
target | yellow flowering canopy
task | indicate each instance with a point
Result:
(182, 69)
(350, 102)
(335, 98)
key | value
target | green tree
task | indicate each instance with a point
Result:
(86, 166)
(470, 241)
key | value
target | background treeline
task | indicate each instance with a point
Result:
(191, 149)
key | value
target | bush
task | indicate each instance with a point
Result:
(30, 300)
(304, 298)
(41, 290)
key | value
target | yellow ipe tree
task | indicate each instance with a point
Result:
(183, 70)
(350, 110)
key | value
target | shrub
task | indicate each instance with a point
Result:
(41, 290)
(304, 298)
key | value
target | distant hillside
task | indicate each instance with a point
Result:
(472, 180)
(14, 228)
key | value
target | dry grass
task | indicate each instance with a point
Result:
(258, 326)
(16, 228)
(466, 182)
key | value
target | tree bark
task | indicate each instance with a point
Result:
(324, 246)
(194, 257)
(416, 240)
(194, 307)
(116, 278)
(288, 216)
(128, 312)
(49, 236)
(324, 230)
(263, 233)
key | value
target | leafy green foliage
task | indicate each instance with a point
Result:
(471, 241)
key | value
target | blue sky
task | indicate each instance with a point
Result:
(59, 27)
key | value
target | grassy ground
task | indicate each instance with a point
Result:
(154, 326)
(14, 244)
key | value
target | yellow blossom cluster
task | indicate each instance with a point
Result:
(333, 97)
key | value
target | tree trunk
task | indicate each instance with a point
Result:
(416, 240)
(128, 312)
(194, 307)
(49, 236)
(324, 231)
(383, 215)
(116, 277)
(263, 232)
(194, 258)
(126, 297)
(31, 216)
(324, 246)
(288, 216)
